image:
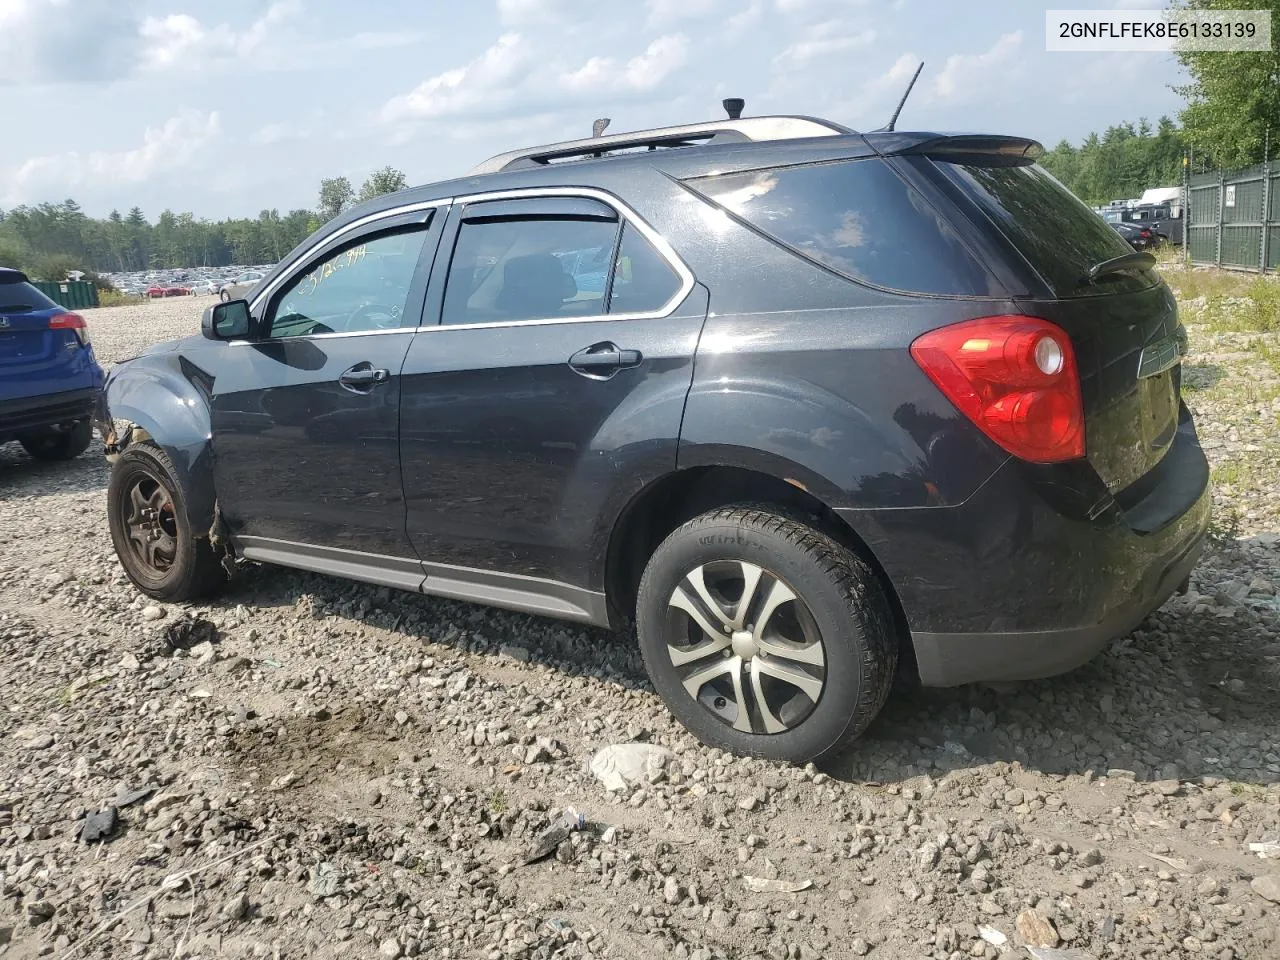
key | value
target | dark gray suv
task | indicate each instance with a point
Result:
(812, 406)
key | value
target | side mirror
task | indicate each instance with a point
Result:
(227, 321)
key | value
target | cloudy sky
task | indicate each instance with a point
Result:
(224, 107)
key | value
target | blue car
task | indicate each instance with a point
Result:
(49, 378)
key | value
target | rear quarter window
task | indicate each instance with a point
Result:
(20, 297)
(857, 218)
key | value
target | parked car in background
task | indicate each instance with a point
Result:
(205, 288)
(1139, 237)
(809, 406)
(156, 291)
(49, 378)
(240, 286)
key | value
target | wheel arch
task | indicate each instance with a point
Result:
(666, 503)
(153, 399)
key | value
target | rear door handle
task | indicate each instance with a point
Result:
(603, 360)
(363, 377)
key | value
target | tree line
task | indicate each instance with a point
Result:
(1121, 162)
(49, 239)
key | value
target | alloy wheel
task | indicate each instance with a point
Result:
(746, 647)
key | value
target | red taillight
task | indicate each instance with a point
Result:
(1146, 233)
(71, 321)
(1016, 378)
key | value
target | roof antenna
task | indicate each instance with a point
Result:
(598, 128)
(734, 107)
(901, 103)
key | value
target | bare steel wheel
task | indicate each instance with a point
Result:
(764, 635)
(150, 529)
(152, 524)
(746, 647)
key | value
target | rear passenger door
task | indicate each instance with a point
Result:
(545, 387)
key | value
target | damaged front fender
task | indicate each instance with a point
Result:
(164, 399)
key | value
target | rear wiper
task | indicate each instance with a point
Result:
(1126, 263)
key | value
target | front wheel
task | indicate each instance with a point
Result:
(765, 636)
(152, 536)
(225, 296)
(59, 445)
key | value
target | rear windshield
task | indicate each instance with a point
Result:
(19, 297)
(1057, 234)
(857, 218)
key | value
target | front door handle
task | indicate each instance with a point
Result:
(363, 377)
(602, 360)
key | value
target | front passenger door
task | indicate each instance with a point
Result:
(306, 416)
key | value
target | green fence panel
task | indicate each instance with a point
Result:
(72, 294)
(1273, 246)
(1242, 201)
(1204, 243)
(1241, 245)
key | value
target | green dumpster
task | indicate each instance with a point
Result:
(72, 294)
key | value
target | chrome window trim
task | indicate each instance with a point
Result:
(287, 274)
(659, 242)
(322, 336)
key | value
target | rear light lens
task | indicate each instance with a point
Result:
(71, 321)
(1016, 378)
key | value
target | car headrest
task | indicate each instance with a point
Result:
(534, 285)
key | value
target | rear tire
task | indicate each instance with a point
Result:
(800, 684)
(146, 511)
(55, 445)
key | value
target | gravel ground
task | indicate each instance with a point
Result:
(350, 772)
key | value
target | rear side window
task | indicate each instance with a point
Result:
(858, 218)
(1055, 232)
(643, 281)
(530, 268)
(22, 297)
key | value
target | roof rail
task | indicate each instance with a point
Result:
(750, 129)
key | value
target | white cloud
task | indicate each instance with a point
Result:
(662, 58)
(641, 73)
(50, 41)
(180, 40)
(748, 17)
(821, 41)
(492, 75)
(520, 12)
(665, 12)
(164, 149)
(510, 74)
(966, 75)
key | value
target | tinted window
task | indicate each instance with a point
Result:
(530, 268)
(858, 218)
(643, 281)
(22, 298)
(363, 287)
(1058, 235)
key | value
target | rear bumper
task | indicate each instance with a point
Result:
(1012, 586)
(951, 659)
(31, 414)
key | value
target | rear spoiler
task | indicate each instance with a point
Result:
(983, 149)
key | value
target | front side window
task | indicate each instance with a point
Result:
(531, 267)
(363, 287)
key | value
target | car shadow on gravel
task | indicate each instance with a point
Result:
(1201, 376)
(24, 475)
(1191, 692)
